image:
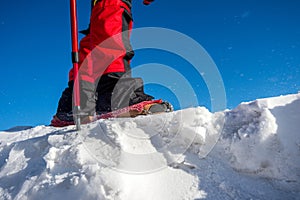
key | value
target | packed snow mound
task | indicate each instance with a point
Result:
(250, 152)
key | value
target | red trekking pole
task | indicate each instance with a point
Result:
(75, 61)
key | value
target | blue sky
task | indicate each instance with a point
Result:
(255, 45)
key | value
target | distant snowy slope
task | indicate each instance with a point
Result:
(250, 152)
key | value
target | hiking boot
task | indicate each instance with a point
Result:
(62, 119)
(116, 91)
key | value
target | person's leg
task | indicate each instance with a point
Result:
(112, 52)
(65, 103)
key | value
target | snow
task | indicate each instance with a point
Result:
(250, 152)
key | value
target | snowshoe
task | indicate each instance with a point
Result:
(142, 108)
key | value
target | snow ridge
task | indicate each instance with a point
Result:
(250, 152)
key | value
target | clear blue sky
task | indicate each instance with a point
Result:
(255, 45)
